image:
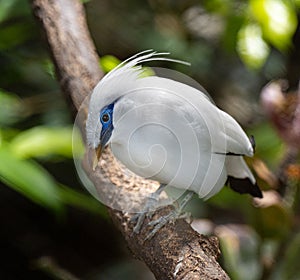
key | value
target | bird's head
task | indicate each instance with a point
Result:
(105, 129)
(106, 95)
(100, 121)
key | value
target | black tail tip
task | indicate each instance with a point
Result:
(244, 185)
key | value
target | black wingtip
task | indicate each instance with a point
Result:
(244, 185)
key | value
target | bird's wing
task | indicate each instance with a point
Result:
(240, 178)
(237, 168)
(225, 134)
(199, 127)
(236, 139)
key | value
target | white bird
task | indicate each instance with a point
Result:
(168, 131)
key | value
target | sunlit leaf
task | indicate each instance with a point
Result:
(251, 47)
(43, 141)
(29, 179)
(278, 20)
(109, 62)
(147, 71)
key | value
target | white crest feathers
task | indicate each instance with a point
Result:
(116, 84)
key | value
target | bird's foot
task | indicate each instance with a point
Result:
(157, 224)
(148, 210)
(163, 220)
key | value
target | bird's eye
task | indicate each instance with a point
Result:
(105, 118)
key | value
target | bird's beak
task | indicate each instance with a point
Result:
(98, 151)
(104, 138)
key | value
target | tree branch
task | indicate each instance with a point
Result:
(176, 251)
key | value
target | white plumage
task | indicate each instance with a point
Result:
(168, 131)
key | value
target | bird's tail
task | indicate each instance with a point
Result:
(240, 178)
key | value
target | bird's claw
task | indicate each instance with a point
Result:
(157, 224)
(147, 212)
(163, 220)
(139, 219)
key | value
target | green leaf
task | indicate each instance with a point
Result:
(43, 141)
(278, 20)
(251, 47)
(29, 179)
(109, 62)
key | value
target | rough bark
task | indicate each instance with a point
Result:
(177, 251)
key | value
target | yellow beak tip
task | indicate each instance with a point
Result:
(98, 151)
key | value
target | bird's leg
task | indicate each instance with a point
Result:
(148, 209)
(172, 216)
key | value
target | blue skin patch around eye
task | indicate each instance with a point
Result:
(106, 119)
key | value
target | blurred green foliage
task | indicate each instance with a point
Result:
(33, 128)
(28, 178)
(19, 171)
(42, 141)
(234, 47)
